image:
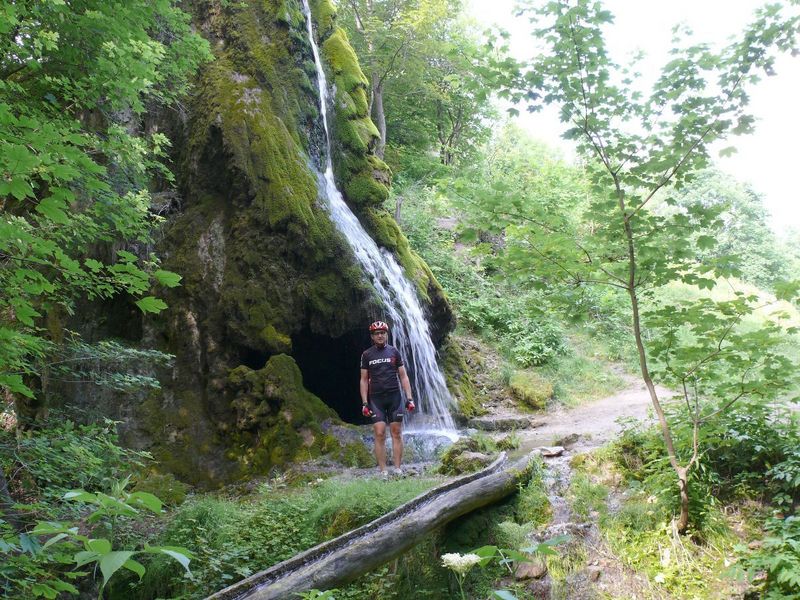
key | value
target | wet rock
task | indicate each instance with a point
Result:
(551, 451)
(568, 440)
(535, 569)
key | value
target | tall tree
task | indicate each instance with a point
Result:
(638, 147)
(75, 78)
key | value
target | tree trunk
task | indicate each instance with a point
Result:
(398, 203)
(648, 380)
(341, 560)
(378, 114)
(683, 484)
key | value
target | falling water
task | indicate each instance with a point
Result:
(410, 333)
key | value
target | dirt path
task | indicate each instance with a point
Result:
(595, 423)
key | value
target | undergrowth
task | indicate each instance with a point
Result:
(234, 538)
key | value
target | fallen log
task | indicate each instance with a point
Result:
(339, 561)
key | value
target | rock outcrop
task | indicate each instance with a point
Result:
(270, 318)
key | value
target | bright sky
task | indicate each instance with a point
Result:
(767, 159)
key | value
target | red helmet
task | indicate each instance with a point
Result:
(378, 326)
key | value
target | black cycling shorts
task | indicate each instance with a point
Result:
(388, 407)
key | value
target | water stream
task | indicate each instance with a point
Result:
(409, 333)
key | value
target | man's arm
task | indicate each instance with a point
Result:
(404, 381)
(364, 385)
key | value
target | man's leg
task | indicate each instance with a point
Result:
(380, 444)
(396, 429)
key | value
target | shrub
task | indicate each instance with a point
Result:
(777, 558)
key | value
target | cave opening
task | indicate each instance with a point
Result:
(330, 368)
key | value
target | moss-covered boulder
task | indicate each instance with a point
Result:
(531, 390)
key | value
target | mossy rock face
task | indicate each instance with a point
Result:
(531, 390)
(264, 269)
(277, 419)
(459, 380)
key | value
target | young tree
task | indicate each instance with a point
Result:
(75, 78)
(638, 148)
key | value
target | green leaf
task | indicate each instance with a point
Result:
(167, 278)
(24, 311)
(135, 566)
(182, 555)
(151, 304)
(84, 557)
(113, 562)
(99, 545)
(41, 590)
(93, 265)
(146, 499)
(53, 209)
(80, 496)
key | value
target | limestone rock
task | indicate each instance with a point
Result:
(551, 451)
(536, 569)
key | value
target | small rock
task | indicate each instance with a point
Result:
(551, 451)
(568, 440)
(755, 545)
(593, 573)
(531, 570)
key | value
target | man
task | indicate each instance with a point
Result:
(382, 374)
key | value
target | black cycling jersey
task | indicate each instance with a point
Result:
(382, 365)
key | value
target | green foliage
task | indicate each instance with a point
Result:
(267, 529)
(638, 148)
(533, 505)
(587, 497)
(425, 47)
(75, 78)
(775, 564)
(744, 236)
(750, 451)
(35, 564)
(43, 464)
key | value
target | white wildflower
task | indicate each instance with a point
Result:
(660, 578)
(460, 563)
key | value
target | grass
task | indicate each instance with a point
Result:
(586, 373)
(641, 535)
(231, 538)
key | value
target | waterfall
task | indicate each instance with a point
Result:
(409, 331)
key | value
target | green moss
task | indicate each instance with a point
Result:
(356, 454)
(277, 418)
(530, 389)
(324, 13)
(343, 61)
(276, 341)
(459, 380)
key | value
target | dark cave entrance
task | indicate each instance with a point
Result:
(330, 368)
